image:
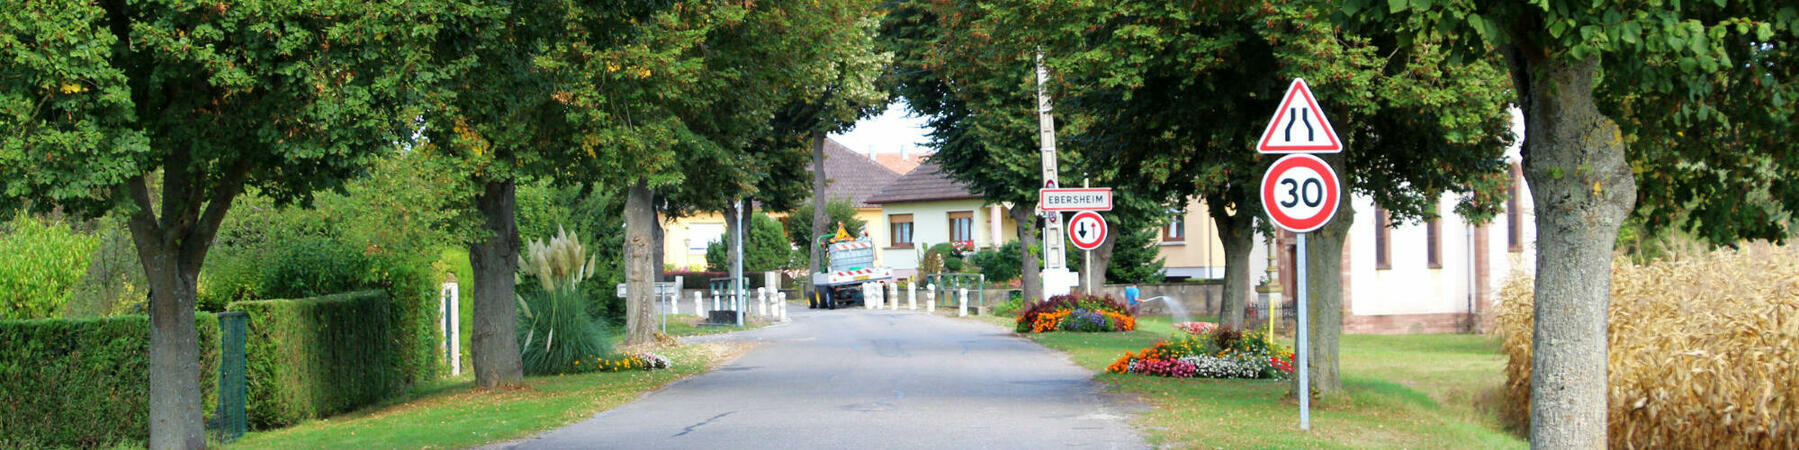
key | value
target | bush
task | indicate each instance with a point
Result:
(1051, 314)
(40, 263)
(799, 224)
(311, 266)
(556, 330)
(310, 358)
(766, 248)
(86, 382)
(1702, 352)
(1000, 266)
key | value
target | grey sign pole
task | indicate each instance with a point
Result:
(1305, 388)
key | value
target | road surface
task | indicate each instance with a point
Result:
(856, 379)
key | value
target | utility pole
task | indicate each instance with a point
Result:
(1055, 263)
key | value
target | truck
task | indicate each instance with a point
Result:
(852, 263)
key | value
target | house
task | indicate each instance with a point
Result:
(1439, 276)
(926, 207)
(1189, 244)
(849, 176)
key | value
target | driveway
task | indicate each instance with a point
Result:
(856, 378)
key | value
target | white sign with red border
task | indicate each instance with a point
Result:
(1300, 192)
(1299, 125)
(1075, 199)
(1087, 230)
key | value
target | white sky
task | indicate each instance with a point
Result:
(889, 132)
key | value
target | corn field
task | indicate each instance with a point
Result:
(1703, 351)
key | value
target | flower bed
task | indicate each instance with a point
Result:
(1212, 353)
(1077, 312)
(620, 363)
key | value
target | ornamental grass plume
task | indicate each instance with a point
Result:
(556, 330)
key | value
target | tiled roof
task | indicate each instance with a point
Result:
(901, 163)
(852, 175)
(927, 182)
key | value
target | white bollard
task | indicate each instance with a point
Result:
(715, 300)
(762, 301)
(893, 296)
(912, 296)
(930, 298)
(962, 302)
(781, 305)
(450, 327)
(698, 303)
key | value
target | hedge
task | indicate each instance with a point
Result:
(86, 382)
(311, 358)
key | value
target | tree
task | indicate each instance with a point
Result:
(103, 103)
(766, 248)
(1701, 91)
(836, 211)
(1184, 90)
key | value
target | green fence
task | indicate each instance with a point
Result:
(229, 421)
(948, 283)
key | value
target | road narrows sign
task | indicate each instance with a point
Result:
(1299, 125)
(1300, 192)
(1087, 230)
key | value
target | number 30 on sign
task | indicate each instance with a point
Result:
(1300, 193)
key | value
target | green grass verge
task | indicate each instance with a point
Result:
(455, 414)
(1414, 391)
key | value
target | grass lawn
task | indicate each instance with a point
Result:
(456, 414)
(1413, 391)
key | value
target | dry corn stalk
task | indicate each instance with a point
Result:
(1703, 352)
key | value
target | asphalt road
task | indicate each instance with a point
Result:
(858, 379)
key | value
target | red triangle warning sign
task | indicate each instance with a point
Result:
(1299, 125)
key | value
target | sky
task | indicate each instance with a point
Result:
(893, 130)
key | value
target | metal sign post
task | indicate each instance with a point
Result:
(1305, 387)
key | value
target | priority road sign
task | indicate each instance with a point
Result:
(1087, 230)
(1299, 125)
(1300, 192)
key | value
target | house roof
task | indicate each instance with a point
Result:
(901, 163)
(851, 175)
(925, 183)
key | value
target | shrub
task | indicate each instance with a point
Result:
(765, 248)
(1702, 352)
(556, 330)
(310, 267)
(999, 266)
(1047, 315)
(86, 382)
(40, 263)
(310, 358)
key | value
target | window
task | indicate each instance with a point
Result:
(701, 234)
(901, 227)
(1433, 245)
(1382, 241)
(1514, 232)
(961, 226)
(1176, 231)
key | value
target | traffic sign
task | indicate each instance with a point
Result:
(1299, 125)
(1300, 192)
(1075, 199)
(1087, 229)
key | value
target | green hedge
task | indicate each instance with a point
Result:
(311, 358)
(86, 382)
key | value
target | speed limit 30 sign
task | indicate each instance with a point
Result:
(1300, 192)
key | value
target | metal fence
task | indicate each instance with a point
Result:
(229, 420)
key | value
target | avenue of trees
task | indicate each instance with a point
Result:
(165, 113)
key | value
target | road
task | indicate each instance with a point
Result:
(856, 378)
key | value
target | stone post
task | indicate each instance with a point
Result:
(912, 296)
(962, 302)
(930, 298)
(893, 296)
(698, 303)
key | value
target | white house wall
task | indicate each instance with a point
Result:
(930, 226)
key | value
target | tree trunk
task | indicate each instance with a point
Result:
(659, 244)
(640, 221)
(1237, 233)
(731, 244)
(1324, 301)
(820, 220)
(1030, 263)
(1583, 189)
(1101, 260)
(175, 404)
(172, 250)
(494, 345)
